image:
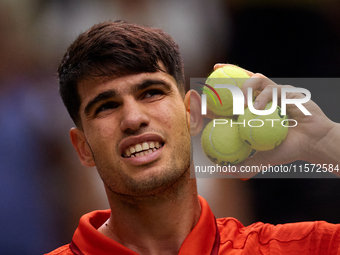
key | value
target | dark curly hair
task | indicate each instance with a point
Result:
(115, 49)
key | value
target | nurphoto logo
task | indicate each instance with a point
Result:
(238, 99)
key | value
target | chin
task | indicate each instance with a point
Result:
(154, 182)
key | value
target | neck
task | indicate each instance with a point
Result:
(155, 224)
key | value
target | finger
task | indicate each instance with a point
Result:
(219, 65)
(266, 96)
(261, 87)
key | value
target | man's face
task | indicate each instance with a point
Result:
(136, 130)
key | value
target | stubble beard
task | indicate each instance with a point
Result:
(164, 181)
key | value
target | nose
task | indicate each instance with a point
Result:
(134, 116)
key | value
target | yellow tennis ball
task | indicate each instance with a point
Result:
(223, 145)
(263, 132)
(224, 75)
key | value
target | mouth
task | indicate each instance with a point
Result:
(142, 149)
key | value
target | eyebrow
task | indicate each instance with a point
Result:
(135, 88)
(100, 97)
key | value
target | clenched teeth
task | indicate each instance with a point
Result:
(143, 149)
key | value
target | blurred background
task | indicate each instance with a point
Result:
(44, 190)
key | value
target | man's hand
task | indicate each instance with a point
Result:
(314, 139)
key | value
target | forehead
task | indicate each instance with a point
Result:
(90, 88)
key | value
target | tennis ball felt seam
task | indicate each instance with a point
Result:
(231, 107)
(223, 139)
(227, 75)
(230, 78)
(212, 145)
(250, 128)
(256, 137)
(251, 136)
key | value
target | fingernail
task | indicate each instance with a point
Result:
(256, 105)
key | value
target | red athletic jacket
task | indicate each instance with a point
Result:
(231, 238)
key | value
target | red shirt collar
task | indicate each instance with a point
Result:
(87, 240)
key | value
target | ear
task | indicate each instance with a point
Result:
(81, 146)
(192, 103)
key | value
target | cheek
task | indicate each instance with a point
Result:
(103, 136)
(172, 117)
(167, 119)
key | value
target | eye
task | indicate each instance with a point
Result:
(153, 93)
(106, 106)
